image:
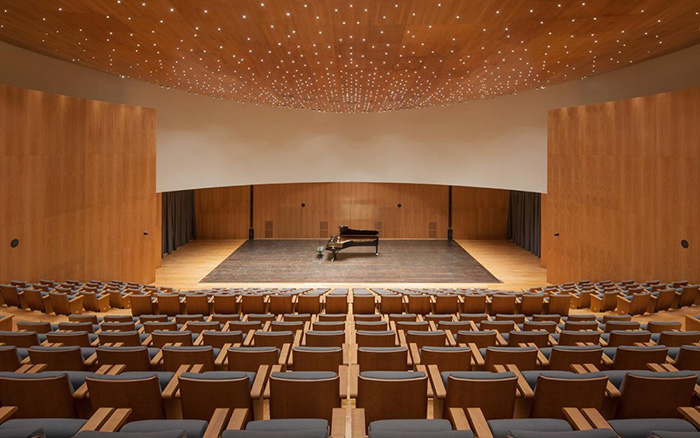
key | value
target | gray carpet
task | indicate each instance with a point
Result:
(399, 261)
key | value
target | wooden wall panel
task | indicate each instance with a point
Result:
(77, 186)
(224, 212)
(623, 190)
(479, 213)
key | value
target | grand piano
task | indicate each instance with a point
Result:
(348, 237)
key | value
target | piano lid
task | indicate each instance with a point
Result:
(344, 230)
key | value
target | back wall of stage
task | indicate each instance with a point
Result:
(315, 210)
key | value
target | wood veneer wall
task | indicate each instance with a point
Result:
(223, 213)
(624, 190)
(77, 188)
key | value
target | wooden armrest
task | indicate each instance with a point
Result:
(476, 355)
(6, 412)
(473, 326)
(458, 419)
(607, 361)
(478, 423)
(436, 382)
(541, 358)
(239, 418)
(97, 420)
(357, 423)
(343, 374)
(147, 342)
(451, 341)
(595, 418)
(157, 359)
(222, 359)
(338, 419)
(285, 355)
(424, 370)
(414, 353)
(523, 388)
(575, 417)
(402, 338)
(500, 339)
(116, 420)
(248, 341)
(353, 380)
(258, 387)
(692, 415)
(217, 423)
(174, 383)
(92, 360)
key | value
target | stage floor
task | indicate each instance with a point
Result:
(515, 267)
(399, 261)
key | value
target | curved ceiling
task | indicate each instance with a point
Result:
(352, 55)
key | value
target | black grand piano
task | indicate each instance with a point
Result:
(348, 237)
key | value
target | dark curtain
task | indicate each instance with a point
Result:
(524, 220)
(179, 225)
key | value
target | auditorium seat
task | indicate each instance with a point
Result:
(289, 394)
(391, 395)
(383, 358)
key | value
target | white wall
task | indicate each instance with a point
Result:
(203, 142)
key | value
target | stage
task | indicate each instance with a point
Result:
(399, 261)
(504, 265)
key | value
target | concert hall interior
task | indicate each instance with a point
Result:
(349, 218)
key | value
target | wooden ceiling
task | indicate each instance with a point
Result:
(352, 55)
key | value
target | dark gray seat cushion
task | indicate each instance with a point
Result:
(415, 428)
(193, 428)
(164, 377)
(444, 434)
(597, 433)
(305, 375)
(667, 434)
(53, 427)
(475, 375)
(76, 378)
(22, 432)
(500, 428)
(164, 434)
(641, 427)
(392, 375)
(220, 375)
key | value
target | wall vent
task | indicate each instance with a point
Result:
(268, 229)
(432, 230)
(323, 230)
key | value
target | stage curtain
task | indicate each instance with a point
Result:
(179, 226)
(525, 221)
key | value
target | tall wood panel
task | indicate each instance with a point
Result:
(278, 212)
(77, 188)
(222, 212)
(623, 190)
(479, 213)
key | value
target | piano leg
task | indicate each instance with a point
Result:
(376, 248)
(333, 253)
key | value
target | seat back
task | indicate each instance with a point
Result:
(317, 358)
(677, 339)
(19, 339)
(10, 295)
(570, 338)
(200, 326)
(688, 296)
(225, 304)
(133, 358)
(329, 326)
(168, 304)
(540, 338)
(160, 338)
(627, 337)
(141, 305)
(446, 304)
(531, 304)
(272, 339)
(688, 358)
(382, 358)
(371, 326)
(58, 358)
(392, 395)
(76, 327)
(114, 326)
(250, 359)
(560, 390)
(34, 326)
(562, 357)
(336, 303)
(559, 304)
(309, 304)
(151, 326)
(324, 338)
(664, 300)
(174, 357)
(419, 304)
(197, 304)
(549, 326)
(34, 299)
(59, 303)
(80, 339)
(29, 393)
(218, 339)
(426, 338)
(375, 338)
(474, 303)
(481, 339)
(202, 394)
(141, 394)
(391, 304)
(503, 304)
(525, 358)
(637, 358)
(363, 304)
(9, 358)
(494, 393)
(663, 326)
(285, 326)
(499, 326)
(447, 358)
(289, 394)
(128, 339)
(580, 325)
(655, 395)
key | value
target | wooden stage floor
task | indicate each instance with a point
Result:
(515, 267)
